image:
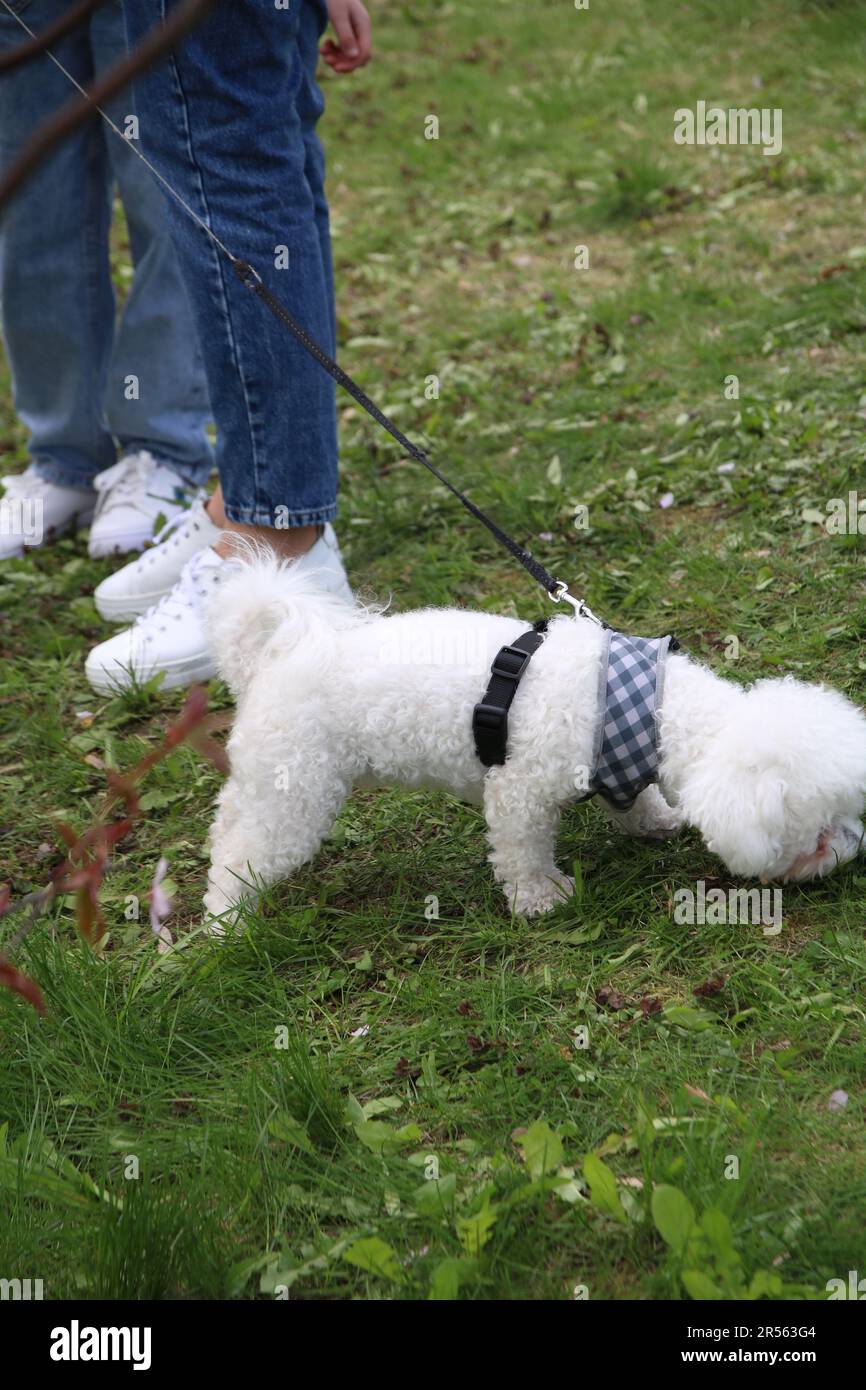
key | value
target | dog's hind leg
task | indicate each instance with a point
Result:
(521, 824)
(269, 825)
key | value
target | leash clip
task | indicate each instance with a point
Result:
(581, 609)
(246, 273)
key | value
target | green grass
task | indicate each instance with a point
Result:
(281, 1097)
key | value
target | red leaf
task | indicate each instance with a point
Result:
(122, 787)
(73, 882)
(111, 834)
(834, 270)
(213, 751)
(191, 716)
(714, 985)
(610, 998)
(87, 914)
(66, 833)
(12, 979)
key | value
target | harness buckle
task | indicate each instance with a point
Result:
(510, 672)
(489, 717)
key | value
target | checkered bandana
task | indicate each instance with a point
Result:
(626, 754)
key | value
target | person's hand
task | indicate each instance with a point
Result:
(351, 24)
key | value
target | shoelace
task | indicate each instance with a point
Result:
(185, 596)
(126, 481)
(175, 530)
(20, 486)
(122, 484)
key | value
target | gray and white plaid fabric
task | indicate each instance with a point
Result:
(628, 759)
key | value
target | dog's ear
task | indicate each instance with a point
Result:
(740, 810)
(770, 799)
(750, 834)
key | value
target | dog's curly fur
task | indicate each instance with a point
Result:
(332, 696)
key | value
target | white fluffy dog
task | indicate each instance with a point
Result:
(332, 696)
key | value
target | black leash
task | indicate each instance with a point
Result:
(156, 45)
(253, 281)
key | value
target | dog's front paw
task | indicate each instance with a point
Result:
(532, 897)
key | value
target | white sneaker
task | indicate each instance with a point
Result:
(33, 510)
(143, 582)
(134, 589)
(133, 493)
(171, 636)
(325, 561)
(168, 638)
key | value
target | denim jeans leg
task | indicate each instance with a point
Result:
(55, 287)
(310, 106)
(165, 409)
(220, 120)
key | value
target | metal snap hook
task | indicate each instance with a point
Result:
(581, 609)
(246, 273)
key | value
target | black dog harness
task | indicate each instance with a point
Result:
(625, 757)
(490, 718)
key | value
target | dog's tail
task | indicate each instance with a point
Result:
(268, 605)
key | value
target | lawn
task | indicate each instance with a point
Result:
(387, 1087)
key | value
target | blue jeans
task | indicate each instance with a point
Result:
(230, 121)
(72, 361)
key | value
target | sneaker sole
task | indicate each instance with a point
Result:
(113, 680)
(102, 547)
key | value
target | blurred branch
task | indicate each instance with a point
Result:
(87, 855)
(77, 112)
